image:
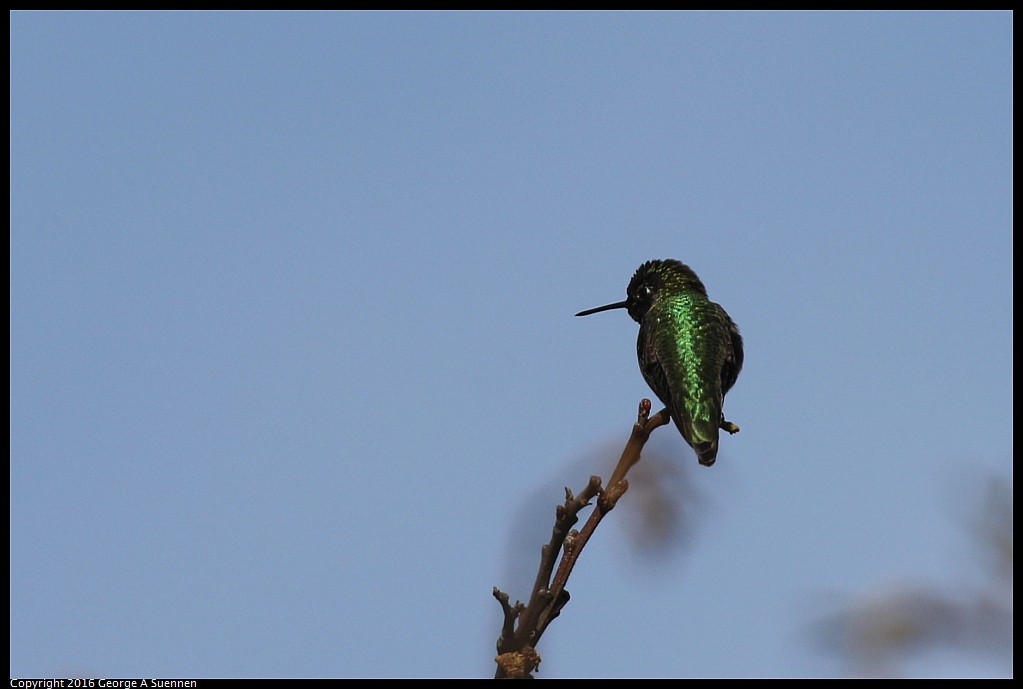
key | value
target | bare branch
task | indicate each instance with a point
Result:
(517, 645)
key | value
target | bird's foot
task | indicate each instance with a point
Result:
(729, 426)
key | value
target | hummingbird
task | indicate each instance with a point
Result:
(690, 350)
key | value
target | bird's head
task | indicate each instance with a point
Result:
(652, 279)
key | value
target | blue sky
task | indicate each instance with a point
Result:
(292, 344)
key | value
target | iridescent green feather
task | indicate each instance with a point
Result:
(691, 341)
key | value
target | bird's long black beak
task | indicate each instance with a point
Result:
(608, 307)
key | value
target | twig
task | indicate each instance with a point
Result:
(517, 657)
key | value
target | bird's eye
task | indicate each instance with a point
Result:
(645, 292)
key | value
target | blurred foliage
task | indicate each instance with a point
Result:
(881, 631)
(659, 517)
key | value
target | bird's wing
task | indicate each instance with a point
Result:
(650, 366)
(733, 354)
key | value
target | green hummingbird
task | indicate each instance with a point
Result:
(690, 350)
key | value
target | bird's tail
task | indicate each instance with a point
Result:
(706, 450)
(707, 453)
